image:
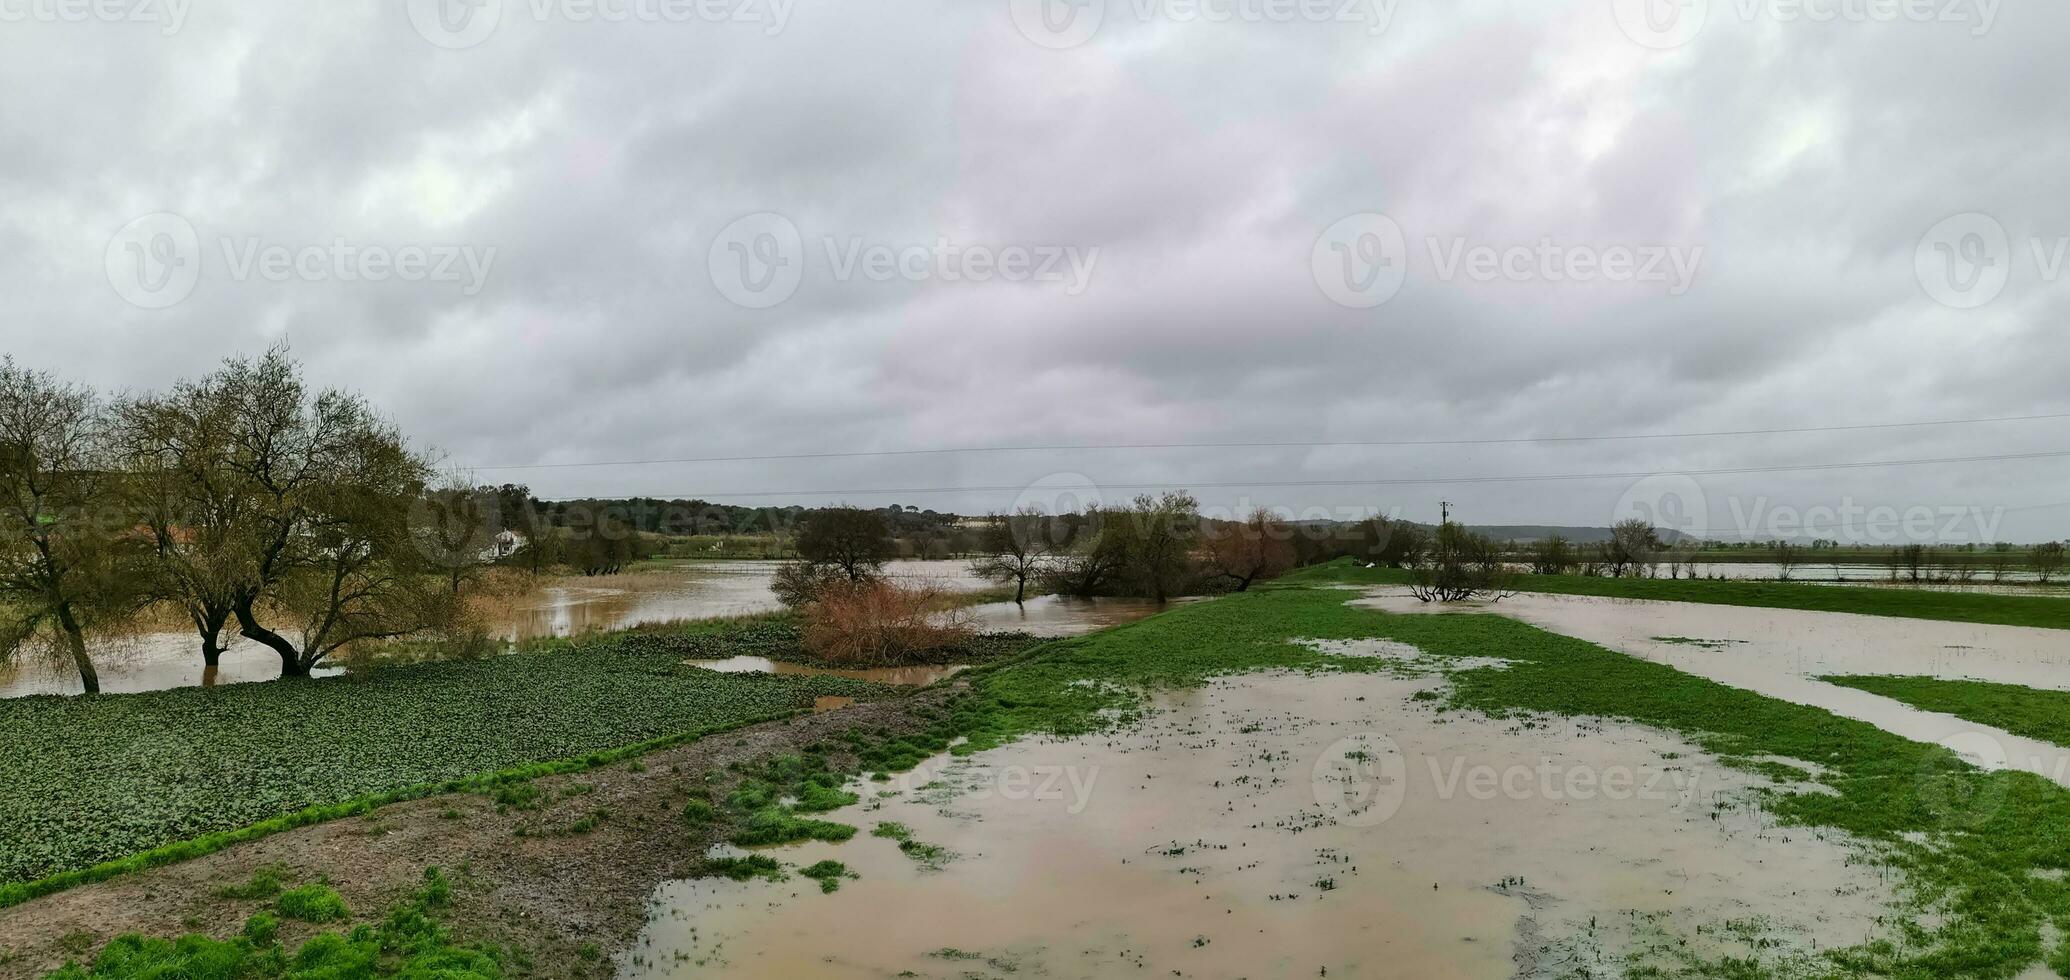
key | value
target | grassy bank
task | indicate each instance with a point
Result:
(1956, 607)
(91, 780)
(2032, 712)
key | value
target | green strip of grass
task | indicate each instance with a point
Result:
(2049, 612)
(1969, 844)
(2028, 711)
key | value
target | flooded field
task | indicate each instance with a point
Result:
(1278, 825)
(1782, 653)
(566, 606)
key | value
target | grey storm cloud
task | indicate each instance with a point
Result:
(505, 221)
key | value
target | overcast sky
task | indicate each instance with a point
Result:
(535, 234)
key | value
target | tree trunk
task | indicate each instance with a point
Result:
(1020, 590)
(208, 621)
(291, 664)
(75, 640)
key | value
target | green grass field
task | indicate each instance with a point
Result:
(1957, 607)
(2032, 712)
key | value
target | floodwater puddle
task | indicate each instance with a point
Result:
(569, 605)
(1285, 825)
(1782, 653)
(915, 676)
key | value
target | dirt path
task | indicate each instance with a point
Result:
(563, 902)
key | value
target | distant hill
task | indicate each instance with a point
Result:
(1539, 532)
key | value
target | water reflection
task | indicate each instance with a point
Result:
(566, 606)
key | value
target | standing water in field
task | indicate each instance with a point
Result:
(1782, 653)
(1281, 825)
(569, 605)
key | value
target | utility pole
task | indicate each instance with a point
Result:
(1444, 512)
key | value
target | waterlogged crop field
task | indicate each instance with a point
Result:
(91, 780)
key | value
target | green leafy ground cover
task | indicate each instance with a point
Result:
(2029, 711)
(91, 780)
(2051, 612)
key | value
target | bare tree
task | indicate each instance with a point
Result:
(455, 525)
(2047, 560)
(1015, 549)
(1460, 565)
(315, 500)
(1631, 549)
(65, 565)
(175, 452)
(1786, 556)
(1259, 548)
(1552, 556)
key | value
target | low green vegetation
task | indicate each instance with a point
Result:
(409, 942)
(1957, 607)
(312, 903)
(829, 874)
(2029, 711)
(194, 770)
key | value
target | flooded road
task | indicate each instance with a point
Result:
(1782, 653)
(568, 605)
(1289, 826)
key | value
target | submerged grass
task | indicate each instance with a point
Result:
(1977, 850)
(2045, 611)
(2029, 711)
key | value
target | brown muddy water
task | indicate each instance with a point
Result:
(1278, 825)
(1782, 652)
(673, 591)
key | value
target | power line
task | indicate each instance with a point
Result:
(1354, 444)
(1403, 481)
